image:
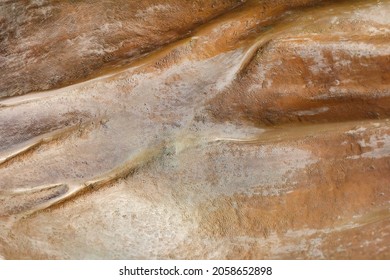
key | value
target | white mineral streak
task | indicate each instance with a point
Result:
(312, 112)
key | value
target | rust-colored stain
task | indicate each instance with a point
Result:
(195, 129)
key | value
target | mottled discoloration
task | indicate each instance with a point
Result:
(259, 130)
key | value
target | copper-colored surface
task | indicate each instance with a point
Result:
(195, 129)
